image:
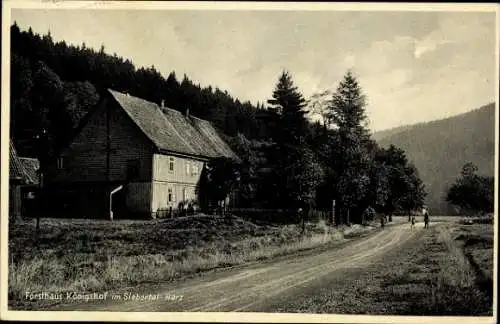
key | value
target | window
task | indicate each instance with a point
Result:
(60, 163)
(171, 165)
(133, 169)
(187, 168)
(194, 170)
(170, 195)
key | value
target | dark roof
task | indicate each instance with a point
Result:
(21, 169)
(171, 131)
(31, 167)
(16, 169)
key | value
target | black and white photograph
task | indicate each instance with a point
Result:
(239, 161)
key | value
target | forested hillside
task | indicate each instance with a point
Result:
(67, 80)
(391, 131)
(440, 148)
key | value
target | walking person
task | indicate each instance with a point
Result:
(426, 217)
(412, 221)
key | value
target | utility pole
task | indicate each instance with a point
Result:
(42, 147)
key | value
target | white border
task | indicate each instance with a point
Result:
(219, 316)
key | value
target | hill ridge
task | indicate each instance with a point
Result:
(381, 134)
(440, 148)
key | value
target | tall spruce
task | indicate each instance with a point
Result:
(289, 103)
(348, 116)
(297, 174)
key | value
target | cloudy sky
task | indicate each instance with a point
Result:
(413, 66)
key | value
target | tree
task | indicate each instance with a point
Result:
(319, 105)
(49, 109)
(22, 124)
(219, 178)
(302, 175)
(379, 191)
(297, 171)
(414, 194)
(248, 154)
(172, 86)
(80, 98)
(289, 103)
(396, 183)
(347, 114)
(472, 192)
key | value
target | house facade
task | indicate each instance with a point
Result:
(133, 157)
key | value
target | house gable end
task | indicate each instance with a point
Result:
(92, 157)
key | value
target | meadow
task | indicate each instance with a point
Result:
(88, 255)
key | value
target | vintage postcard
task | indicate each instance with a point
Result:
(249, 161)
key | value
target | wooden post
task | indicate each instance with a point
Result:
(40, 183)
(333, 212)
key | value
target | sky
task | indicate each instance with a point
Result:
(412, 66)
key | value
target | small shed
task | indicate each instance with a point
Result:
(23, 180)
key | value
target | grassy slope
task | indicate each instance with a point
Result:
(81, 255)
(431, 276)
(440, 148)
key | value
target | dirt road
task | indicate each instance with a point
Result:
(254, 287)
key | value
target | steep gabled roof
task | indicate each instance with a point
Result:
(21, 169)
(16, 169)
(171, 131)
(31, 167)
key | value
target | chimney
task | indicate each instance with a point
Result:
(163, 103)
(187, 112)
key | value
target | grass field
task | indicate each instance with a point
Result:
(85, 255)
(447, 271)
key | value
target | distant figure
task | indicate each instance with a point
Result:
(300, 215)
(412, 221)
(382, 221)
(425, 212)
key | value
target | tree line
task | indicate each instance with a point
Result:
(313, 165)
(289, 162)
(472, 193)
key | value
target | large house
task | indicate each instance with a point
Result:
(132, 156)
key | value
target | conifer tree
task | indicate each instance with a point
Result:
(289, 103)
(347, 113)
(297, 174)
